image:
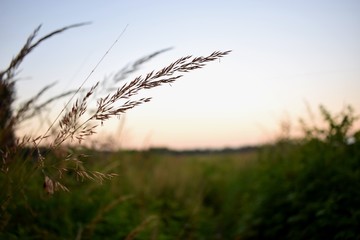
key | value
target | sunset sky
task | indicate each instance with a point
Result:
(286, 54)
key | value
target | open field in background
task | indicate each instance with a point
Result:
(156, 196)
(304, 187)
(292, 189)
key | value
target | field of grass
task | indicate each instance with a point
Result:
(156, 196)
(294, 188)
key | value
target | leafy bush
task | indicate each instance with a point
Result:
(309, 188)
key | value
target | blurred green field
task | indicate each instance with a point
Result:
(156, 196)
(305, 188)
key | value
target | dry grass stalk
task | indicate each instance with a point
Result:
(106, 106)
(9, 119)
(48, 185)
(134, 67)
(69, 122)
(10, 71)
(109, 107)
(151, 219)
(71, 126)
(78, 123)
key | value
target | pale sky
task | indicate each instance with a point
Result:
(285, 53)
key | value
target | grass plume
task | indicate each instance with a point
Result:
(78, 122)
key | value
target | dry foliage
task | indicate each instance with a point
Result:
(78, 122)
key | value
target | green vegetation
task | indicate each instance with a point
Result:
(306, 188)
(303, 188)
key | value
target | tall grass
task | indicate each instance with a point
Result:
(31, 157)
(304, 188)
(294, 188)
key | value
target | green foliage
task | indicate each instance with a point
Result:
(309, 188)
(305, 188)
